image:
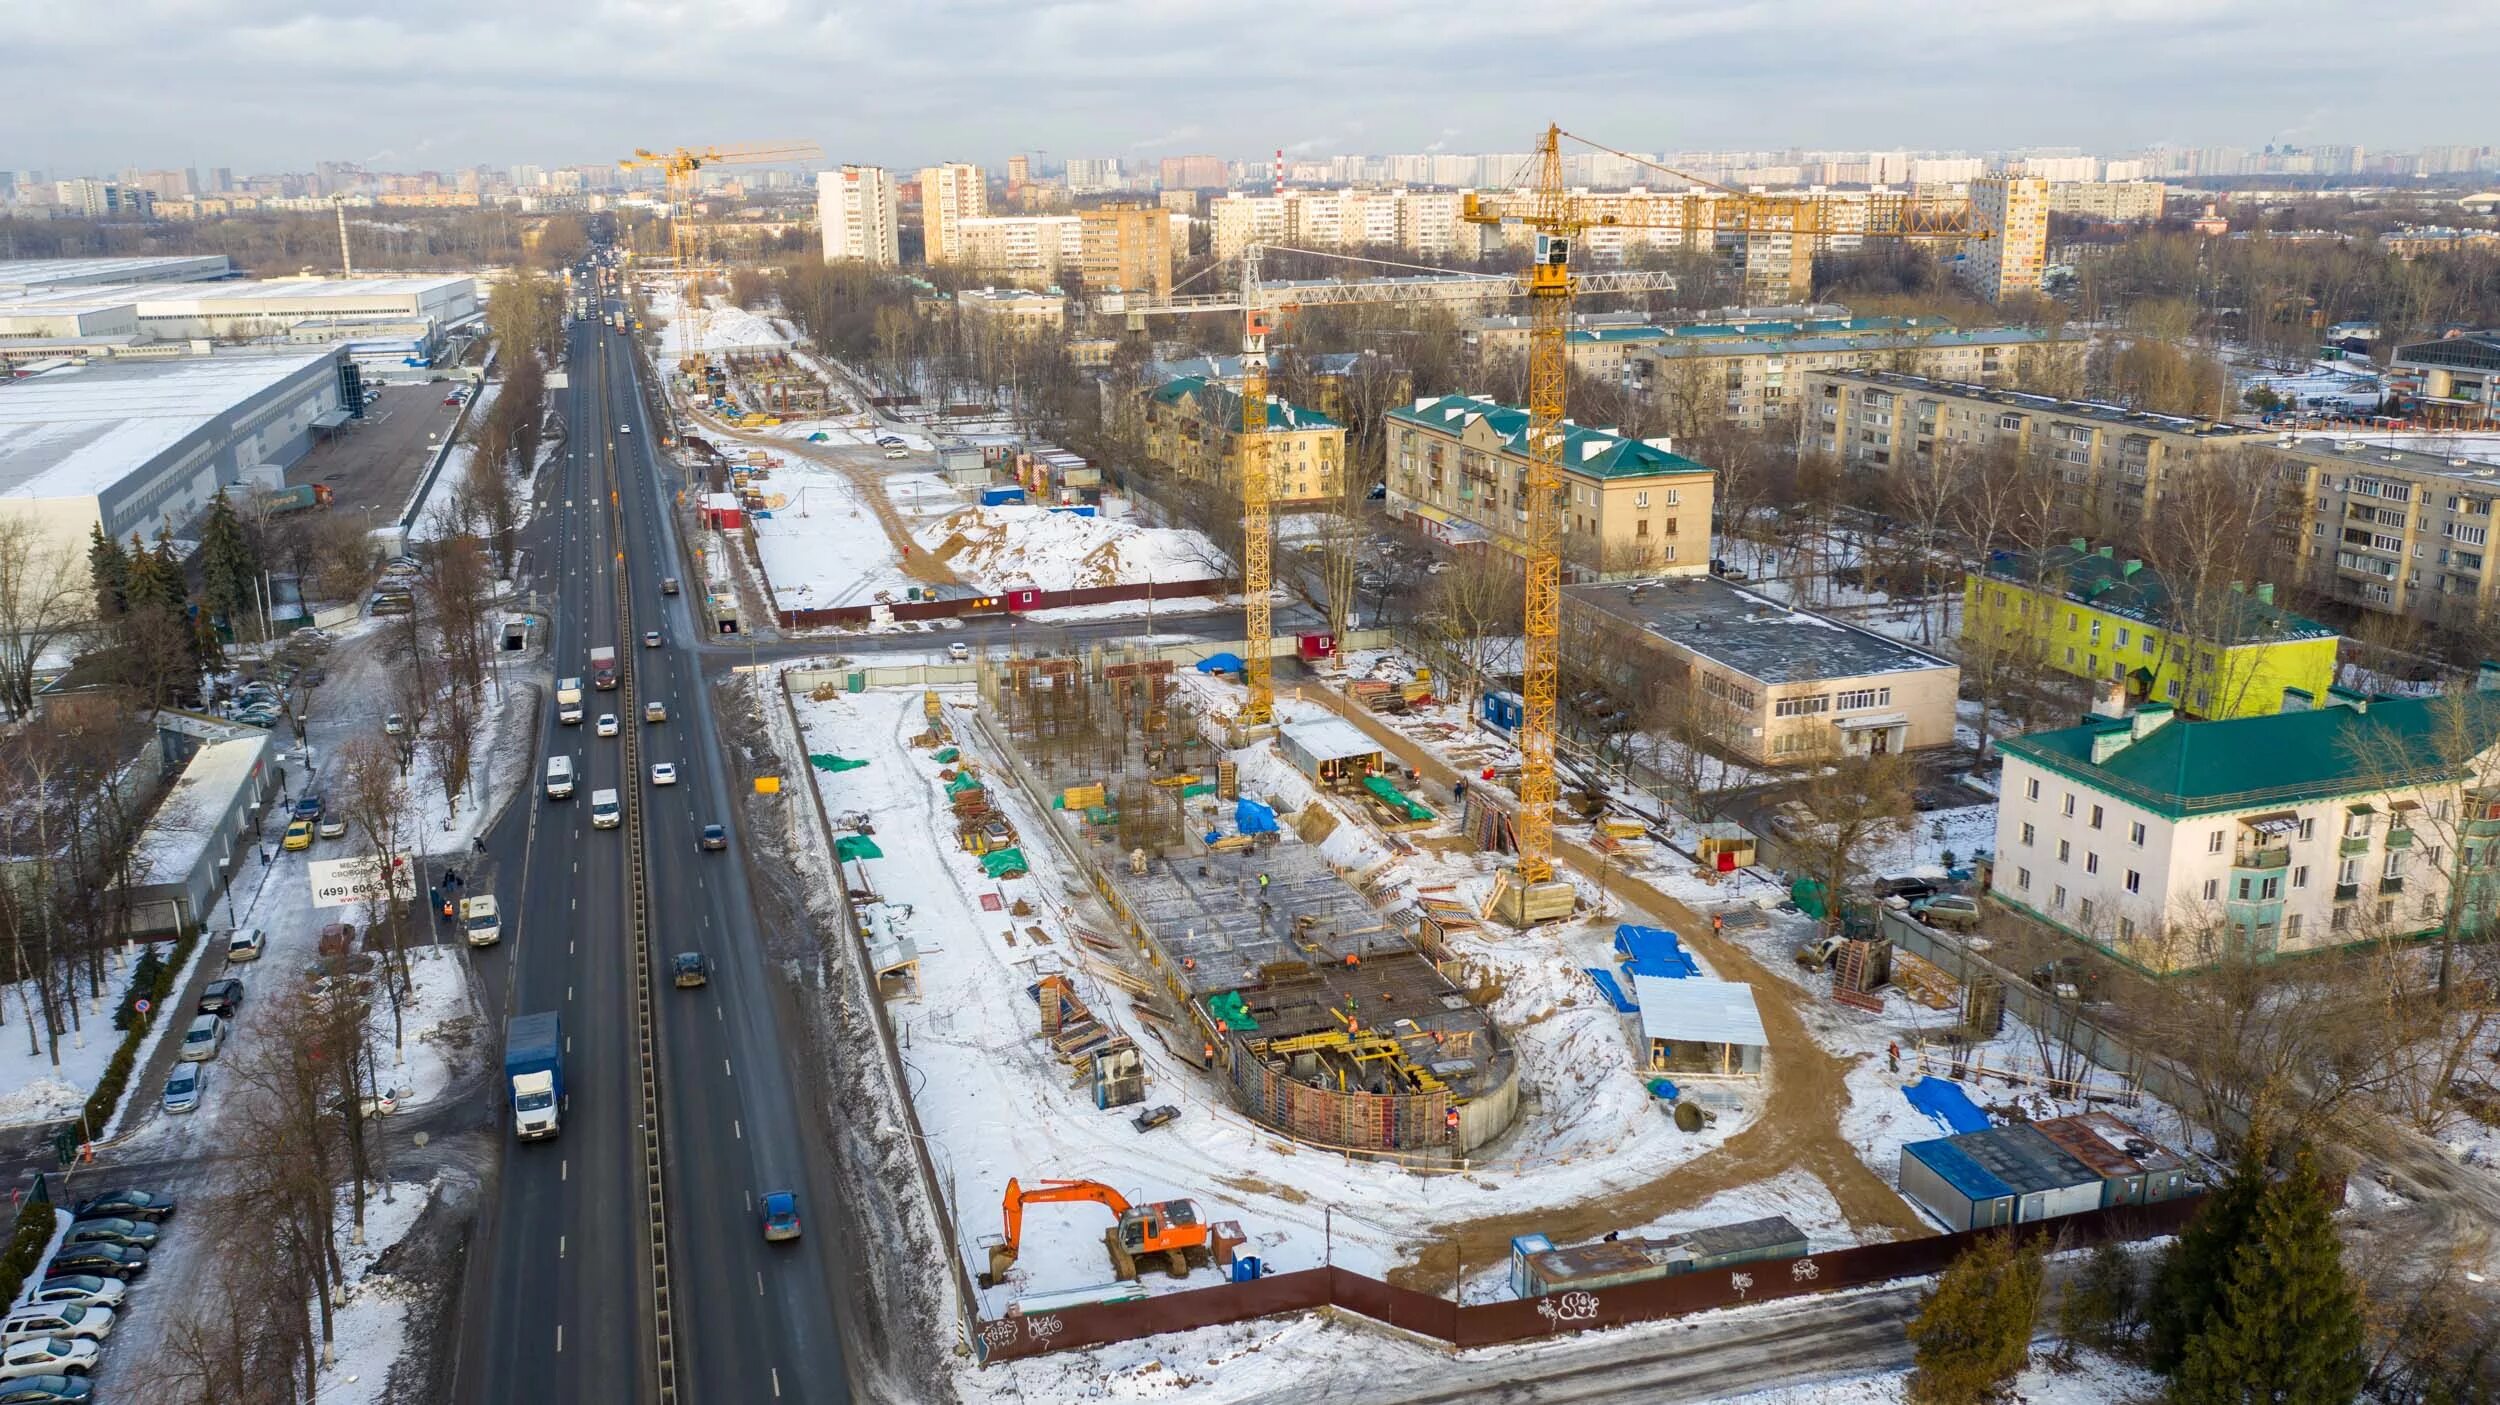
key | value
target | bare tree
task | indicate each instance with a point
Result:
(44, 599)
(373, 793)
(1473, 610)
(1855, 802)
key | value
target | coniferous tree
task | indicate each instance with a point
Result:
(155, 578)
(2189, 1283)
(109, 567)
(229, 567)
(2099, 1308)
(2287, 1327)
(1973, 1333)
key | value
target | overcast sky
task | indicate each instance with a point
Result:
(278, 84)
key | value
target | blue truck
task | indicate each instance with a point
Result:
(533, 1063)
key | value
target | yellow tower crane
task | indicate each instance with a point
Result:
(1553, 217)
(678, 168)
(1264, 308)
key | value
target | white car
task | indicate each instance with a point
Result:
(80, 1288)
(663, 773)
(394, 724)
(331, 827)
(245, 945)
(607, 724)
(203, 1039)
(959, 652)
(624, 429)
(73, 1320)
(44, 1356)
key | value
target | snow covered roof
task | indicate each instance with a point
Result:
(78, 431)
(61, 273)
(1698, 1010)
(169, 848)
(1591, 453)
(1331, 739)
(1752, 634)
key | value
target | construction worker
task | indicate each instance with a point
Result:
(1718, 923)
(1892, 1055)
(1262, 882)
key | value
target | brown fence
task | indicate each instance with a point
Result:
(992, 604)
(1521, 1319)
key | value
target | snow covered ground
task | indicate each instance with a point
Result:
(2332, 386)
(435, 510)
(32, 1089)
(725, 327)
(2094, 1379)
(370, 1325)
(824, 545)
(1004, 547)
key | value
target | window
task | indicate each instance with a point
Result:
(2148, 646)
(2057, 898)
(1675, 497)
(2122, 636)
(2083, 913)
(1640, 527)
(2126, 929)
(2135, 833)
(2213, 842)
(1801, 707)
(2029, 834)
(2022, 879)
(1641, 498)
(2430, 855)
(2091, 863)
(2096, 817)
(2300, 875)
(2308, 827)
(2070, 804)
(2269, 888)
(1854, 698)
(2339, 919)
(2291, 927)
(2031, 788)
(2073, 619)
(2065, 851)
(2070, 656)
(2395, 864)
(2096, 635)
(2135, 881)
(2349, 873)
(2213, 889)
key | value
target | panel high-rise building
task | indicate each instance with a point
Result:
(2015, 212)
(949, 194)
(1193, 172)
(856, 207)
(1126, 247)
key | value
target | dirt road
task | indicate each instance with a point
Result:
(918, 562)
(1798, 1128)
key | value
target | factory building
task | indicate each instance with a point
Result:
(21, 276)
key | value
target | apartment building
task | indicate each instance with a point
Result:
(1027, 249)
(2109, 461)
(856, 207)
(1016, 310)
(2454, 377)
(1191, 172)
(1458, 466)
(1782, 686)
(949, 195)
(2393, 531)
(1752, 381)
(1336, 379)
(2113, 200)
(2015, 211)
(1126, 247)
(2171, 844)
(1193, 423)
(1421, 222)
(2087, 613)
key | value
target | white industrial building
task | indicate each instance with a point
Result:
(141, 444)
(33, 275)
(390, 324)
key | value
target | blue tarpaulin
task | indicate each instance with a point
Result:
(1251, 817)
(1221, 663)
(1654, 951)
(1945, 1101)
(1613, 991)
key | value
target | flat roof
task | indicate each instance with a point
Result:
(77, 431)
(2048, 404)
(54, 273)
(169, 848)
(1699, 1009)
(1331, 739)
(2364, 456)
(292, 289)
(2019, 1157)
(1752, 634)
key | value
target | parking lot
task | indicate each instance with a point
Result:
(373, 465)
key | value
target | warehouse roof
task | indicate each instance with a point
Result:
(297, 290)
(77, 431)
(1331, 739)
(1750, 634)
(1591, 453)
(169, 847)
(2048, 404)
(57, 273)
(2185, 768)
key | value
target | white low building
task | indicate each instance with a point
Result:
(2171, 844)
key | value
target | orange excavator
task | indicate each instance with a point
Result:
(1170, 1228)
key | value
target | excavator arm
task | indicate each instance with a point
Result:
(1048, 1192)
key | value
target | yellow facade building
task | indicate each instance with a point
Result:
(1192, 423)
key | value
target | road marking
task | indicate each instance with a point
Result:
(564, 1170)
(568, 995)
(561, 1242)
(737, 1129)
(776, 1382)
(759, 1292)
(559, 1338)
(724, 1069)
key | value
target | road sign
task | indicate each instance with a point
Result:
(143, 1005)
(356, 881)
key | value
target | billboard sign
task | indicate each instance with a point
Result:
(355, 882)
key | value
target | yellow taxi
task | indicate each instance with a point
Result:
(299, 835)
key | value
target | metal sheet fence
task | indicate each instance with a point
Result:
(1556, 1314)
(989, 604)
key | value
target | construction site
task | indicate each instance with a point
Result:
(1327, 1021)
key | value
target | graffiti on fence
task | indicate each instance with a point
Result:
(1570, 1307)
(1804, 1271)
(1742, 1283)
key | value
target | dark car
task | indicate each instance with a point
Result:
(781, 1215)
(691, 968)
(221, 998)
(128, 1204)
(307, 808)
(49, 1389)
(102, 1260)
(714, 836)
(112, 1229)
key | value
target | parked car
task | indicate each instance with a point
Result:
(245, 945)
(299, 835)
(607, 724)
(73, 1320)
(781, 1215)
(102, 1260)
(49, 1389)
(129, 1204)
(393, 724)
(220, 997)
(79, 1288)
(714, 836)
(46, 1356)
(959, 651)
(663, 773)
(331, 827)
(1947, 910)
(183, 1087)
(691, 968)
(307, 807)
(111, 1229)
(203, 1039)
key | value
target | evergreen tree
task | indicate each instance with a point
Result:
(2188, 1285)
(2100, 1305)
(229, 567)
(2287, 1328)
(108, 566)
(1973, 1333)
(155, 578)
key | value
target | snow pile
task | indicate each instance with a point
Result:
(1034, 546)
(371, 1322)
(725, 327)
(31, 1089)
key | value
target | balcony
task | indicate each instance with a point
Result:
(2346, 892)
(2400, 838)
(2391, 885)
(2270, 857)
(2354, 844)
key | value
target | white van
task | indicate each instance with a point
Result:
(604, 813)
(559, 777)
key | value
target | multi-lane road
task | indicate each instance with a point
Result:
(560, 1298)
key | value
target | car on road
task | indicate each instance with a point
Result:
(668, 585)
(381, 1102)
(624, 429)
(45, 1356)
(111, 1229)
(607, 724)
(650, 639)
(183, 1087)
(220, 997)
(49, 1389)
(655, 711)
(690, 968)
(203, 1039)
(898, 453)
(299, 835)
(245, 945)
(394, 724)
(663, 773)
(102, 1260)
(781, 1215)
(79, 1288)
(128, 1204)
(1947, 910)
(331, 827)
(73, 1320)
(714, 836)
(307, 808)
(959, 651)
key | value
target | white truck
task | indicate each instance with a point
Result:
(569, 701)
(604, 812)
(480, 921)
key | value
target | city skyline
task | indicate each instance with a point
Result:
(884, 89)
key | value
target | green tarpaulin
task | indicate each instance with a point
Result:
(946, 756)
(827, 761)
(1227, 1006)
(1003, 863)
(1101, 815)
(963, 781)
(1395, 798)
(1192, 792)
(856, 846)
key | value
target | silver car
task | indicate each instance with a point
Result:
(183, 1085)
(203, 1039)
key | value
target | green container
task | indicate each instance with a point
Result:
(856, 682)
